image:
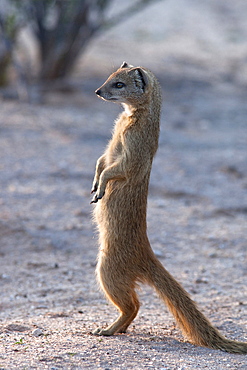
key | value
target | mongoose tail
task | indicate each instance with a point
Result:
(194, 325)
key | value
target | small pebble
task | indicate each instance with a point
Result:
(37, 332)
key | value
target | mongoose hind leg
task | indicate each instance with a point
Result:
(125, 299)
(131, 318)
(128, 307)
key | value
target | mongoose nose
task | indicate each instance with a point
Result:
(98, 92)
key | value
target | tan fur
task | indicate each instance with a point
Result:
(121, 184)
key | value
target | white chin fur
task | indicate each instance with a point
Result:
(128, 109)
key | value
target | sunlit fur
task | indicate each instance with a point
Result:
(121, 188)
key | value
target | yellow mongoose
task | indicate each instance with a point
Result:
(121, 182)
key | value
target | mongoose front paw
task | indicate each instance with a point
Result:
(96, 198)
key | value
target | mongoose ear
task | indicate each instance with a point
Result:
(140, 77)
(124, 65)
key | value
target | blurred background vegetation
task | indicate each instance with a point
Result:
(60, 31)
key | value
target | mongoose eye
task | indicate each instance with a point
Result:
(119, 85)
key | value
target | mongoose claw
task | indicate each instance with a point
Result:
(95, 198)
(96, 331)
(94, 188)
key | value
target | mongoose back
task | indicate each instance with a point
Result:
(121, 188)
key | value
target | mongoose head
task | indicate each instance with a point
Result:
(128, 85)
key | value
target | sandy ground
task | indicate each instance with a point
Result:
(197, 210)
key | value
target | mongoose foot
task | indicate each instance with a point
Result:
(100, 331)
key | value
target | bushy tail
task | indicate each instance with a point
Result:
(194, 325)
